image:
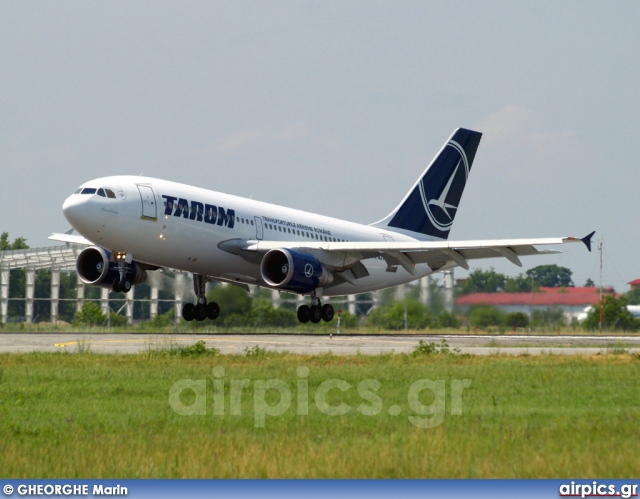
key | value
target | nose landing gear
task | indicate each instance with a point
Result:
(122, 283)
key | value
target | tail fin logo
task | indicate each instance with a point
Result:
(441, 206)
(432, 203)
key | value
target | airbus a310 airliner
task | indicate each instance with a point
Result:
(133, 225)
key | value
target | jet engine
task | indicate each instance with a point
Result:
(294, 271)
(96, 266)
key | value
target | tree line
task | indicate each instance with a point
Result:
(490, 281)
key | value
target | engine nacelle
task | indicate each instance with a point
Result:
(97, 267)
(294, 271)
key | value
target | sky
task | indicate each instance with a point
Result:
(334, 107)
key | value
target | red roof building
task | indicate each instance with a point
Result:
(571, 300)
(634, 284)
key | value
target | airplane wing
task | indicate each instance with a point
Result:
(343, 256)
(70, 237)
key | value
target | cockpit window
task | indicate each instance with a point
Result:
(88, 190)
(78, 190)
(110, 193)
(101, 193)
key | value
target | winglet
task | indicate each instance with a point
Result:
(587, 240)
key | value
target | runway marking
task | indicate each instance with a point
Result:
(237, 340)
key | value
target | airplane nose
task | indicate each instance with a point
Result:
(72, 209)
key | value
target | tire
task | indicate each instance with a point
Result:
(116, 286)
(327, 313)
(188, 312)
(125, 286)
(213, 310)
(200, 312)
(315, 314)
(303, 314)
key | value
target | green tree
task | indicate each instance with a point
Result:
(552, 276)
(116, 320)
(17, 277)
(163, 320)
(232, 300)
(392, 316)
(18, 243)
(446, 320)
(589, 283)
(614, 315)
(485, 316)
(347, 320)
(633, 296)
(89, 315)
(551, 317)
(483, 281)
(518, 284)
(516, 319)
(17, 289)
(264, 314)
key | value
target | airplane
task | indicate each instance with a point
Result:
(132, 225)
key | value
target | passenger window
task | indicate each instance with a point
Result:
(251, 222)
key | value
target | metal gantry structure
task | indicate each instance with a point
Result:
(56, 258)
(63, 259)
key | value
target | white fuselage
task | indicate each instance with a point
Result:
(148, 220)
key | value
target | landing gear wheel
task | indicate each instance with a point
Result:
(315, 314)
(303, 314)
(213, 310)
(200, 312)
(116, 285)
(188, 311)
(327, 313)
(125, 286)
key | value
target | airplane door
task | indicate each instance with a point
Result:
(258, 227)
(148, 203)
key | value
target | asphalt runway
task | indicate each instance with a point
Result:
(317, 344)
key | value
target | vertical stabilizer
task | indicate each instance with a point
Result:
(432, 203)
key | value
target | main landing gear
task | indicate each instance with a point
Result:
(201, 310)
(316, 312)
(122, 283)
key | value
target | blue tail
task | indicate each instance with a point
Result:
(431, 205)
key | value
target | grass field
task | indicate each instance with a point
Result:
(78, 415)
(306, 329)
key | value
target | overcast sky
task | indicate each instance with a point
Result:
(335, 108)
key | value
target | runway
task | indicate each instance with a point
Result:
(128, 343)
